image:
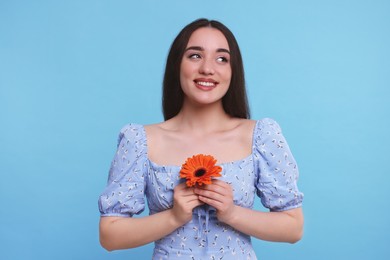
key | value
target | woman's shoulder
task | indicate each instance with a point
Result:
(266, 128)
(131, 128)
(259, 126)
(155, 126)
(131, 131)
(155, 129)
(267, 124)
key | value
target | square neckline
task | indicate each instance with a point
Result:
(173, 166)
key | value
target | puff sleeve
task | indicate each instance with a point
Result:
(124, 193)
(277, 171)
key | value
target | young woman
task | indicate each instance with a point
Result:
(206, 112)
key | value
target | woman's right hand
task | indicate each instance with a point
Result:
(184, 201)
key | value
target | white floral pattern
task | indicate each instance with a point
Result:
(270, 172)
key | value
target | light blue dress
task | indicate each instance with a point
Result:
(270, 171)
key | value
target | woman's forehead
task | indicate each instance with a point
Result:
(208, 38)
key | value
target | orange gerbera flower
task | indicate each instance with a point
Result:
(199, 169)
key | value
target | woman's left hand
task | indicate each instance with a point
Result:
(219, 195)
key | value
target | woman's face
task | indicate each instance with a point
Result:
(205, 70)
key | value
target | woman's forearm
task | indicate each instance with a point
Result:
(285, 226)
(121, 233)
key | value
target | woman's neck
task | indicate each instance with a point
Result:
(202, 119)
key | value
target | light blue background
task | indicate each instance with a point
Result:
(72, 73)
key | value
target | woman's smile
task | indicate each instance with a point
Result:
(205, 84)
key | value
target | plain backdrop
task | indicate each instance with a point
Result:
(72, 73)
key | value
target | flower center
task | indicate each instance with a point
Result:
(200, 172)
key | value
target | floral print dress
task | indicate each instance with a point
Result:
(270, 171)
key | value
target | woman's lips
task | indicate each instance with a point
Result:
(205, 84)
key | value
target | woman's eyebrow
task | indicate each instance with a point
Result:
(195, 48)
(199, 48)
(223, 50)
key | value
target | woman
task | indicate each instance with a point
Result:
(206, 112)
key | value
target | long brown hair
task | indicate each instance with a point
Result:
(235, 101)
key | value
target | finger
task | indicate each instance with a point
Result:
(197, 202)
(193, 202)
(221, 183)
(209, 194)
(187, 192)
(212, 202)
(217, 183)
(194, 197)
(183, 189)
(181, 186)
(225, 191)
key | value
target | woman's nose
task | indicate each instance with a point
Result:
(206, 67)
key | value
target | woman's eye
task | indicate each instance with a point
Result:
(222, 59)
(194, 56)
